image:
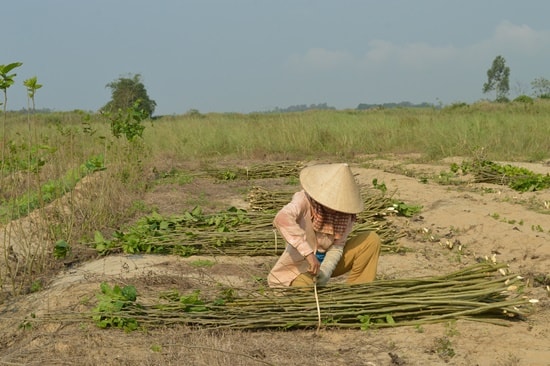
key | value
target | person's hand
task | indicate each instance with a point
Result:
(332, 257)
(322, 278)
(313, 264)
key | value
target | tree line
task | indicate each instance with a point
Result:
(129, 92)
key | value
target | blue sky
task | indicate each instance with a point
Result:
(255, 55)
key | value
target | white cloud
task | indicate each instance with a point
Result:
(421, 71)
(319, 59)
(413, 55)
(380, 52)
(520, 37)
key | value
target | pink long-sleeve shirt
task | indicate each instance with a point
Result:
(294, 224)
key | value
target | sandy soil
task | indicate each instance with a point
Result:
(458, 225)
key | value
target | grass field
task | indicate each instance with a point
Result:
(45, 156)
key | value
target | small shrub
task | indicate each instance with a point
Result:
(61, 249)
(443, 348)
(524, 99)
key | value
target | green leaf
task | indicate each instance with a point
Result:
(130, 293)
(98, 237)
(61, 249)
(105, 288)
(164, 225)
(4, 69)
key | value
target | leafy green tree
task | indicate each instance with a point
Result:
(126, 92)
(7, 79)
(32, 86)
(498, 79)
(541, 87)
(127, 122)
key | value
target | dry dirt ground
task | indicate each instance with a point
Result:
(480, 220)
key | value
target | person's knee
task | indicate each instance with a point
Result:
(304, 280)
(374, 239)
(370, 246)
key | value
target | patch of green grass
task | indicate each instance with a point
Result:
(156, 348)
(174, 176)
(537, 228)
(36, 286)
(203, 263)
(443, 347)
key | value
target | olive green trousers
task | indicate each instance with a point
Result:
(359, 261)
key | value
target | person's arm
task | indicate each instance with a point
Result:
(287, 222)
(333, 256)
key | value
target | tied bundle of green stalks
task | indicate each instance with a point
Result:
(259, 171)
(375, 201)
(517, 178)
(477, 293)
(233, 232)
(237, 231)
(372, 218)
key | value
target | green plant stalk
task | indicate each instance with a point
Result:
(472, 294)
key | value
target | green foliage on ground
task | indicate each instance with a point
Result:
(49, 191)
(112, 303)
(237, 231)
(127, 122)
(518, 178)
(182, 235)
(472, 293)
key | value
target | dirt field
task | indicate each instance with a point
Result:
(479, 220)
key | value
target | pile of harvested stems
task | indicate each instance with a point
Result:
(376, 202)
(259, 171)
(232, 232)
(517, 178)
(255, 237)
(239, 232)
(473, 293)
(262, 199)
(372, 218)
(235, 232)
(478, 293)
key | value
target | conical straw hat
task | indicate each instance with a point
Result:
(333, 186)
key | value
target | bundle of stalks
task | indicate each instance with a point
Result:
(238, 232)
(478, 293)
(253, 237)
(489, 172)
(373, 218)
(473, 293)
(376, 203)
(272, 170)
(259, 171)
(262, 199)
(517, 178)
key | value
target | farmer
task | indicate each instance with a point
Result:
(315, 225)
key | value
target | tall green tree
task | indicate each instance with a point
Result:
(32, 86)
(498, 79)
(127, 92)
(6, 80)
